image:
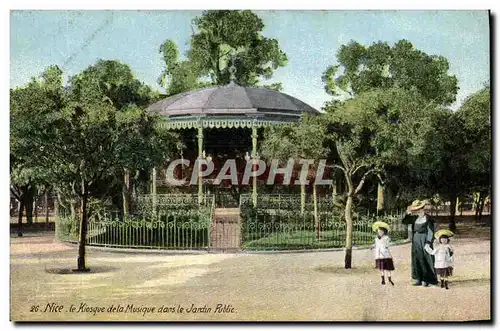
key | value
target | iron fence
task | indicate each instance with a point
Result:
(277, 223)
(180, 222)
(162, 222)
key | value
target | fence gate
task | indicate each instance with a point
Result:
(226, 229)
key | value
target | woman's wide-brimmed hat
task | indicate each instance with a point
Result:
(380, 225)
(443, 232)
(417, 205)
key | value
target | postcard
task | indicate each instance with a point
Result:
(250, 165)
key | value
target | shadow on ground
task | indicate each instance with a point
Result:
(70, 271)
(470, 282)
(332, 269)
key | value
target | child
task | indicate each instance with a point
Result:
(383, 257)
(443, 256)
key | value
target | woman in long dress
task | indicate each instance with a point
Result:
(422, 229)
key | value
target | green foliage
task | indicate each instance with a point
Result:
(178, 225)
(362, 68)
(475, 114)
(456, 164)
(178, 76)
(67, 228)
(223, 38)
(99, 130)
(300, 141)
(379, 128)
(112, 81)
(80, 138)
(148, 205)
(275, 86)
(30, 117)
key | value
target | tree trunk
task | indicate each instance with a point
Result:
(348, 233)
(83, 232)
(28, 205)
(76, 208)
(488, 205)
(453, 207)
(461, 209)
(380, 198)
(47, 207)
(481, 206)
(316, 218)
(72, 209)
(124, 196)
(302, 198)
(478, 206)
(35, 207)
(56, 206)
(20, 217)
(125, 193)
(133, 188)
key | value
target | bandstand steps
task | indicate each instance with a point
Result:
(226, 232)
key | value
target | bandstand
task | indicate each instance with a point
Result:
(225, 121)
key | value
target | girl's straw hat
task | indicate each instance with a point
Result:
(380, 224)
(417, 205)
(443, 232)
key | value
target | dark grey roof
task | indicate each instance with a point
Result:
(231, 99)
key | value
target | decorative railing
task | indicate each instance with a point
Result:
(164, 222)
(278, 224)
(171, 201)
(181, 222)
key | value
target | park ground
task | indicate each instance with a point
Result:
(309, 286)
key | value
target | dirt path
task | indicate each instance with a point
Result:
(256, 287)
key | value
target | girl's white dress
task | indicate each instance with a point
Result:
(443, 262)
(382, 248)
(383, 257)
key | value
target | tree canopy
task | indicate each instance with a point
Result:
(360, 68)
(223, 38)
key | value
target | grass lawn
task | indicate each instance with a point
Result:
(306, 240)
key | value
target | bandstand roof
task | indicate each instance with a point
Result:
(230, 105)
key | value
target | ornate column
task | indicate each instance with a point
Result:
(200, 156)
(254, 162)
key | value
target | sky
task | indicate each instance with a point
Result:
(76, 39)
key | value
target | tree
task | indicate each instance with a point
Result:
(475, 113)
(224, 38)
(457, 158)
(371, 133)
(82, 142)
(30, 106)
(400, 67)
(362, 68)
(379, 66)
(125, 93)
(116, 82)
(99, 141)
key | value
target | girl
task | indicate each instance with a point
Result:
(383, 257)
(443, 254)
